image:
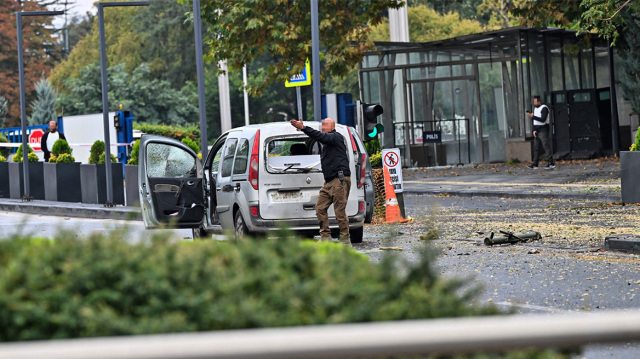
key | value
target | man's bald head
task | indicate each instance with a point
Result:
(328, 125)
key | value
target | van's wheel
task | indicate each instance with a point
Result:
(356, 234)
(199, 233)
(240, 226)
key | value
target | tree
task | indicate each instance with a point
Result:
(40, 49)
(468, 9)
(602, 17)
(241, 32)
(426, 24)
(4, 110)
(499, 12)
(151, 100)
(43, 108)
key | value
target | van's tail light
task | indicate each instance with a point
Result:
(254, 163)
(363, 169)
(361, 206)
(254, 211)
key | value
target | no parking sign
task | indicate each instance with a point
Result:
(391, 161)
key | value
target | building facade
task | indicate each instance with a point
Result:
(463, 100)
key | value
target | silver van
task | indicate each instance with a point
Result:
(255, 179)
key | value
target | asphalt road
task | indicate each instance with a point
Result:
(566, 271)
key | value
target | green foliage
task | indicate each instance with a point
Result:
(3, 158)
(61, 146)
(376, 160)
(96, 150)
(105, 285)
(373, 146)
(135, 154)
(636, 145)
(174, 132)
(240, 32)
(192, 144)
(150, 99)
(513, 161)
(43, 108)
(32, 157)
(426, 24)
(4, 151)
(603, 17)
(101, 160)
(65, 158)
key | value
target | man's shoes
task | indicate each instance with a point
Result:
(550, 166)
(532, 167)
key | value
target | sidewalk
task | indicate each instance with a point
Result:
(593, 180)
(66, 209)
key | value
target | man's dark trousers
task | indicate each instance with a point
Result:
(542, 139)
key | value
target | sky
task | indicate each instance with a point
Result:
(79, 7)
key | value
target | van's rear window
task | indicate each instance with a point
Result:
(293, 155)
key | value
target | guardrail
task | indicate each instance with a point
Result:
(368, 340)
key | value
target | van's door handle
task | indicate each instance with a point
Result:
(289, 189)
(227, 188)
(308, 207)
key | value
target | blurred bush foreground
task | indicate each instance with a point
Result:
(105, 285)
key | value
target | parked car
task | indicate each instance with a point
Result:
(255, 179)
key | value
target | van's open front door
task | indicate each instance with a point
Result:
(171, 184)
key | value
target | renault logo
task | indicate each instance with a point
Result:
(308, 180)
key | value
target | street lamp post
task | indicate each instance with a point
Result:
(202, 113)
(105, 97)
(23, 112)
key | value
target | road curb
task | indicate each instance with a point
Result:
(623, 243)
(493, 194)
(62, 209)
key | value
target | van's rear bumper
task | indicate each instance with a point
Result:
(264, 225)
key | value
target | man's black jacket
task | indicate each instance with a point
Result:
(43, 144)
(334, 153)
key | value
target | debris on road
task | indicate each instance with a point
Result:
(509, 237)
(389, 249)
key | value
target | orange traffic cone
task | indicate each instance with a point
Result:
(391, 202)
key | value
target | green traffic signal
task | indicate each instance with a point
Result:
(371, 126)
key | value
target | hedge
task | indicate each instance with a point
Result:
(178, 133)
(107, 285)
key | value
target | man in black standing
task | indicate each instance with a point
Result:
(337, 180)
(541, 133)
(49, 138)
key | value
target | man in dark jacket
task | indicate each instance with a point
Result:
(49, 138)
(541, 133)
(337, 180)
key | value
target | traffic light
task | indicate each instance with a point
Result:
(370, 118)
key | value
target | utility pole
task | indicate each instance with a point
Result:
(315, 62)
(23, 112)
(105, 95)
(202, 111)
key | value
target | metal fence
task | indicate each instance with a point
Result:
(369, 340)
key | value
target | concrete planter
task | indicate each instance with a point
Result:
(131, 185)
(630, 176)
(94, 183)
(63, 182)
(4, 180)
(36, 180)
